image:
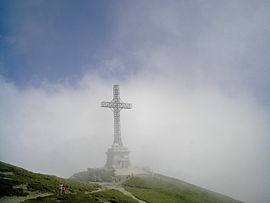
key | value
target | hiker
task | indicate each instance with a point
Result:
(60, 187)
(63, 189)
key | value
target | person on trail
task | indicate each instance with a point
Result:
(60, 187)
(64, 189)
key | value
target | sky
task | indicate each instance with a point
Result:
(197, 73)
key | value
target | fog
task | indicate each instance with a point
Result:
(197, 134)
(197, 75)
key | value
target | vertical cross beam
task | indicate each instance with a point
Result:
(116, 105)
(116, 117)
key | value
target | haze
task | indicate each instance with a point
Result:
(196, 72)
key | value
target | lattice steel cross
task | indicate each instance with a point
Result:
(116, 105)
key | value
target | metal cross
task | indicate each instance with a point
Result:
(116, 105)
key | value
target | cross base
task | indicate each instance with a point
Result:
(117, 158)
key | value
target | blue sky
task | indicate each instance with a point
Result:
(224, 42)
(52, 40)
(196, 71)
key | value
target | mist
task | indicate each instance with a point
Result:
(197, 134)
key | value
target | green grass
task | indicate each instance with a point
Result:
(160, 189)
(114, 196)
(69, 198)
(12, 176)
(15, 181)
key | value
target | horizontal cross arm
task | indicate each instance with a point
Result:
(116, 105)
(124, 105)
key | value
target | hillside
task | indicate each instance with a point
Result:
(160, 189)
(20, 185)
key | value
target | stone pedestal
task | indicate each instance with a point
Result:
(117, 158)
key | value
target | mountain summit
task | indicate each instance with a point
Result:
(20, 185)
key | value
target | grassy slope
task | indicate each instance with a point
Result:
(112, 196)
(160, 189)
(12, 176)
(15, 181)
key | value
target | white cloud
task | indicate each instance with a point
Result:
(197, 134)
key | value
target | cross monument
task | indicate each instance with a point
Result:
(117, 155)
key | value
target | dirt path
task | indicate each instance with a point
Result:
(15, 199)
(117, 186)
(122, 189)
